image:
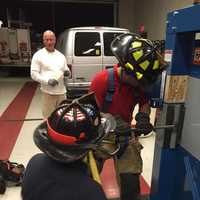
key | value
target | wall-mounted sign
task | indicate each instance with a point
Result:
(196, 58)
(168, 55)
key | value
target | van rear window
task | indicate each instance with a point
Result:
(87, 44)
(107, 39)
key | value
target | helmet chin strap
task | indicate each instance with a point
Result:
(125, 79)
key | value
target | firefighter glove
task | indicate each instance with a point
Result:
(143, 125)
(66, 73)
(52, 82)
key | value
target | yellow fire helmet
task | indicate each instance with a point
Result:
(139, 57)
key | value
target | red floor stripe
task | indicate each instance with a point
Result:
(17, 109)
(145, 189)
(110, 185)
(109, 182)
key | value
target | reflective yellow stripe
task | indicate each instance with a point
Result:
(129, 66)
(137, 54)
(139, 75)
(91, 163)
(97, 52)
(136, 44)
(85, 159)
(93, 168)
(144, 65)
(156, 64)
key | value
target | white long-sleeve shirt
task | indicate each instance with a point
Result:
(47, 65)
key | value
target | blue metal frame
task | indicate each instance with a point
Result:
(176, 173)
(181, 28)
(179, 176)
(184, 20)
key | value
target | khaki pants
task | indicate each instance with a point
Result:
(50, 103)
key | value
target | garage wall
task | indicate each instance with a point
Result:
(126, 14)
(133, 13)
(152, 14)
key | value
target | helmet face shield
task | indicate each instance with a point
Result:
(138, 57)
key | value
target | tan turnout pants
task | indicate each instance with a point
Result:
(131, 160)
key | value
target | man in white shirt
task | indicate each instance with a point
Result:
(49, 68)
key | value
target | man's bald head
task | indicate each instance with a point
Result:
(49, 40)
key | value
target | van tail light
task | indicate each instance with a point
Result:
(70, 68)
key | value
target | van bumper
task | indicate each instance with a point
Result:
(75, 90)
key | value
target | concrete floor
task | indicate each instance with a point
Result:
(24, 147)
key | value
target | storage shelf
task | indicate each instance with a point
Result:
(11, 65)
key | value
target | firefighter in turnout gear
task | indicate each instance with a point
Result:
(118, 90)
(71, 132)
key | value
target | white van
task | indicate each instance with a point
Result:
(87, 50)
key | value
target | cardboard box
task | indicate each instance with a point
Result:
(176, 88)
(13, 46)
(24, 45)
(4, 46)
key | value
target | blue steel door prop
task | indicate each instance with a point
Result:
(176, 166)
